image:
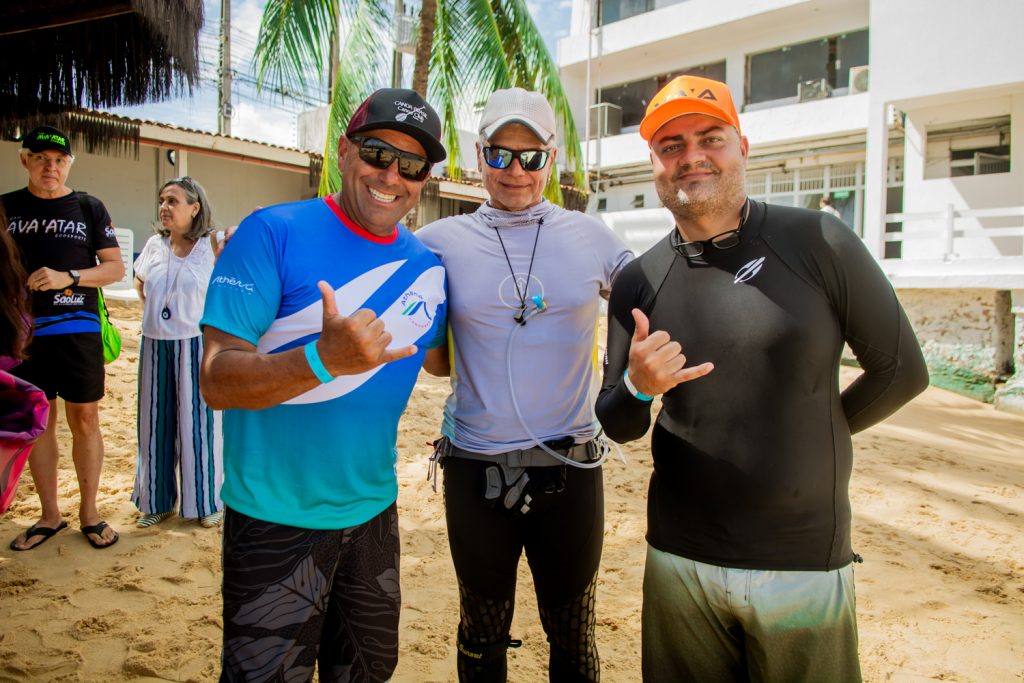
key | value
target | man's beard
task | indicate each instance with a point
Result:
(716, 195)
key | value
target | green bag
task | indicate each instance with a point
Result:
(111, 337)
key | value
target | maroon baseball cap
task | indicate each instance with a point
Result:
(402, 110)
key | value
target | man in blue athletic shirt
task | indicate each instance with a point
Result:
(317, 319)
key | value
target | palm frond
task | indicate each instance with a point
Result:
(293, 41)
(533, 68)
(479, 46)
(484, 64)
(476, 65)
(446, 85)
(364, 63)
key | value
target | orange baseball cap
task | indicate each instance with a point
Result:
(689, 95)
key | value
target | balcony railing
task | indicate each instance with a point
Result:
(944, 226)
(404, 31)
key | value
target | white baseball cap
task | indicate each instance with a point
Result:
(515, 105)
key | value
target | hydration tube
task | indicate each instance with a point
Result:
(540, 307)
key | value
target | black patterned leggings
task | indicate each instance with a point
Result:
(562, 535)
(294, 598)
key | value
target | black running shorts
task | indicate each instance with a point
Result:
(66, 365)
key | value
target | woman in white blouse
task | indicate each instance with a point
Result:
(180, 447)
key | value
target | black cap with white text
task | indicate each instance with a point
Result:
(402, 110)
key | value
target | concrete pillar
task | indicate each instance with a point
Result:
(1017, 133)
(1011, 396)
(876, 166)
(735, 75)
(181, 162)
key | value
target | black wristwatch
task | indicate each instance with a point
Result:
(75, 277)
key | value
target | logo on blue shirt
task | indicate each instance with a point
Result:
(231, 281)
(415, 309)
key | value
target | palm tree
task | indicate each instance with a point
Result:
(424, 43)
(474, 48)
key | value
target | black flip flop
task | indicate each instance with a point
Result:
(98, 530)
(35, 530)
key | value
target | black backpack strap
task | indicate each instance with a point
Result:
(83, 203)
(87, 215)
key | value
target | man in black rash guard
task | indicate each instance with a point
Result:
(748, 573)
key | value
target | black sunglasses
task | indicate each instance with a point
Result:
(380, 154)
(723, 240)
(529, 159)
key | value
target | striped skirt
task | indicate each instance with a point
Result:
(180, 464)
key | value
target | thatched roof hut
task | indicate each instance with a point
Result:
(64, 55)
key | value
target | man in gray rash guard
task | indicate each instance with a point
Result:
(525, 280)
(748, 573)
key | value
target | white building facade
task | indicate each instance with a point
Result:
(908, 116)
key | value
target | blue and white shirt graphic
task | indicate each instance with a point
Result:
(326, 458)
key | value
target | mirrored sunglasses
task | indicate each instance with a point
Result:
(529, 159)
(380, 154)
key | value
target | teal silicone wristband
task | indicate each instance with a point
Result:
(633, 390)
(315, 364)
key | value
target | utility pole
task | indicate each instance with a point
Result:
(224, 105)
(591, 25)
(332, 70)
(396, 63)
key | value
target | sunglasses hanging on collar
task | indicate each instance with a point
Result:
(722, 241)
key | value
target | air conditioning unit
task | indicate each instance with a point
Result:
(605, 120)
(816, 89)
(859, 79)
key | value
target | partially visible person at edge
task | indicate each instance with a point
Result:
(15, 311)
(748, 573)
(180, 447)
(825, 204)
(316, 323)
(526, 279)
(62, 234)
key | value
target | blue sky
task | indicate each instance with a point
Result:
(260, 116)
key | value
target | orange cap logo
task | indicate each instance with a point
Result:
(689, 95)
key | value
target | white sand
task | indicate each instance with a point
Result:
(938, 505)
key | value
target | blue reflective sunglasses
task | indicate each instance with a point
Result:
(529, 159)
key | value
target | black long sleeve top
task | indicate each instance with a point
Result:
(752, 462)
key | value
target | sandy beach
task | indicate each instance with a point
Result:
(938, 511)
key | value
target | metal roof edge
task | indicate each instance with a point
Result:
(157, 132)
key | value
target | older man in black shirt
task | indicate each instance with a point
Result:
(69, 249)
